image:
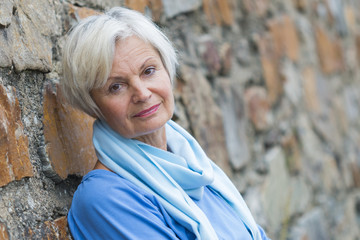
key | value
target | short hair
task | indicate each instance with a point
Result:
(89, 50)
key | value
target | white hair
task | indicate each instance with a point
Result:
(89, 51)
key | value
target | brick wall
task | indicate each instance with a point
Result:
(271, 90)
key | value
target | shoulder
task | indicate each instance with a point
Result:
(101, 189)
(107, 206)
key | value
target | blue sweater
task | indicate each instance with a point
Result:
(107, 206)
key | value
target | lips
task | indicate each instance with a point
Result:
(148, 112)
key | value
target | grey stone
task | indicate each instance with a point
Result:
(312, 148)
(5, 49)
(175, 7)
(205, 117)
(104, 4)
(31, 50)
(352, 102)
(311, 226)
(235, 124)
(242, 52)
(306, 33)
(276, 190)
(256, 207)
(301, 195)
(343, 216)
(337, 10)
(44, 18)
(331, 179)
(292, 85)
(6, 9)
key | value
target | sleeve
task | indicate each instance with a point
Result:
(116, 212)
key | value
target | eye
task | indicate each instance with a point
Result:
(115, 87)
(149, 71)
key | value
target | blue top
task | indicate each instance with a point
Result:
(107, 206)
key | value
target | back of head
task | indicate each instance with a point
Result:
(89, 51)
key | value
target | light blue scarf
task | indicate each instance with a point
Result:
(172, 177)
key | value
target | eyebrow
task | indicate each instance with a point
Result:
(141, 67)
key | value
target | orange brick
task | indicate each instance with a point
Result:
(138, 5)
(4, 235)
(156, 7)
(285, 37)
(350, 18)
(14, 153)
(57, 229)
(218, 12)
(329, 52)
(67, 134)
(270, 64)
(257, 107)
(310, 90)
(79, 13)
(291, 148)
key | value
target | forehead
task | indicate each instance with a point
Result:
(132, 47)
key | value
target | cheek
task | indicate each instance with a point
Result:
(113, 108)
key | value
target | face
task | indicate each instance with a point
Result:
(137, 99)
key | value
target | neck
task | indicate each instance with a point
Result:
(155, 139)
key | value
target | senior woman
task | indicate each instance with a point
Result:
(152, 179)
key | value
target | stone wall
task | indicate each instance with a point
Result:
(271, 90)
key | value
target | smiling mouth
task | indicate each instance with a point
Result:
(148, 112)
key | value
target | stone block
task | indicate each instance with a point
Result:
(156, 8)
(355, 170)
(138, 5)
(176, 7)
(330, 176)
(350, 18)
(357, 47)
(225, 59)
(6, 9)
(44, 18)
(79, 13)
(57, 229)
(4, 234)
(14, 153)
(329, 52)
(205, 116)
(67, 135)
(5, 50)
(270, 65)
(100, 4)
(218, 11)
(235, 123)
(301, 4)
(257, 7)
(285, 37)
(290, 144)
(310, 90)
(276, 190)
(292, 82)
(346, 224)
(310, 226)
(209, 53)
(257, 107)
(301, 195)
(30, 48)
(352, 103)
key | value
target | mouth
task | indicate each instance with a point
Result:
(148, 112)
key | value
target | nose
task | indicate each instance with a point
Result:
(140, 93)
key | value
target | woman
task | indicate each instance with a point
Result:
(152, 180)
